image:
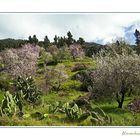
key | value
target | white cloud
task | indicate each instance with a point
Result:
(92, 27)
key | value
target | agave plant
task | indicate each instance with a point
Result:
(56, 107)
(8, 106)
(74, 112)
(19, 100)
(29, 89)
(100, 117)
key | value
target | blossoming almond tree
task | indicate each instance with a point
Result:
(114, 76)
(21, 61)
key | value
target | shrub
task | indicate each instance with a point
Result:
(111, 50)
(56, 107)
(55, 77)
(60, 54)
(84, 77)
(134, 106)
(4, 84)
(79, 67)
(83, 101)
(1, 67)
(45, 58)
(63, 54)
(114, 76)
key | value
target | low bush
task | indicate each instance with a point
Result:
(84, 77)
(79, 67)
(4, 84)
(45, 58)
(55, 77)
(134, 106)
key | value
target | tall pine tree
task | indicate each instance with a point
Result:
(70, 38)
(137, 35)
(46, 42)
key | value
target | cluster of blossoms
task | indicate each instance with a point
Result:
(21, 61)
(77, 51)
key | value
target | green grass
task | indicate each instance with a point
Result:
(120, 117)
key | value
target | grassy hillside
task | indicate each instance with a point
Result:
(61, 90)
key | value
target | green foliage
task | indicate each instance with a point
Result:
(4, 84)
(8, 106)
(79, 67)
(19, 100)
(55, 77)
(11, 102)
(30, 92)
(81, 41)
(72, 112)
(84, 76)
(70, 38)
(44, 58)
(55, 40)
(63, 55)
(61, 42)
(11, 43)
(37, 115)
(1, 67)
(71, 85)
(91, 48)
(120, 47)
(46, 42)
(33, 39)
(56, 107)
(137, 35)
(99, 117)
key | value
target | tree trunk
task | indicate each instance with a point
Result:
(120, 102)
(130, 92)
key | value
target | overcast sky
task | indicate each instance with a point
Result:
(101, 28)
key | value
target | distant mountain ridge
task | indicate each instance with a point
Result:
(91, 47)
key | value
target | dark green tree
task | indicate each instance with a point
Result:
(60, 42)
(30, 39)
(55, 40)
(70, 38)
(65, 39)
(80, 41)
(137, 35)
(35, 40)
(46, 42)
